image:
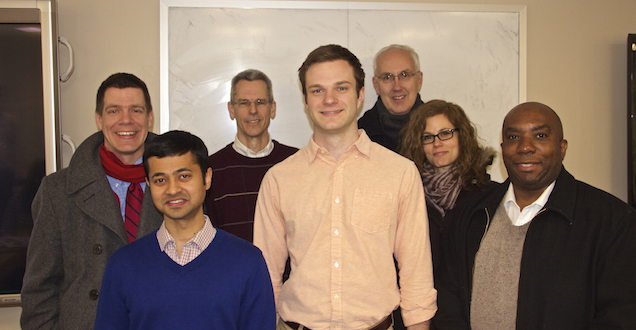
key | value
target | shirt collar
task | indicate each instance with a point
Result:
(202, 239)
(363, 143)
(521, 217)
(247, 152)
(362, 146)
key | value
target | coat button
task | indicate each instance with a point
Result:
(97, 249)
(93, 294)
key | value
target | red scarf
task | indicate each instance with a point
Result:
(120, 171)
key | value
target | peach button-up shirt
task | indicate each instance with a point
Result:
(341, 222)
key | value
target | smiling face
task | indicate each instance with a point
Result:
(252, 121)
(398, 96)
(441, 154)
(125, 122)
(331, 98)
(533, 147)
(178, 187)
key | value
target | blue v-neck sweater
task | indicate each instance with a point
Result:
(226, 287)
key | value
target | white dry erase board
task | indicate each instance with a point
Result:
(472, 55)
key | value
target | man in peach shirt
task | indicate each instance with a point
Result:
(341, 208)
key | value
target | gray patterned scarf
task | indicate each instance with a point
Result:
(441, 189)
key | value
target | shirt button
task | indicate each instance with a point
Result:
(97, 249)
(336, 232)
(336, 264)
(336, 296)
(337, 200)
(93, 294)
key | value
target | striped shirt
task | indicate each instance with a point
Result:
(192, 248)
(120, 188)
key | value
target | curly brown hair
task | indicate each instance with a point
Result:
(469, 166)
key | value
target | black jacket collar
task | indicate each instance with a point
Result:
(561, 199)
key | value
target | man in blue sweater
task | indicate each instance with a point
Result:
(187, 275)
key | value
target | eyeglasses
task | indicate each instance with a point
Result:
(247, 103)
(442, 136)
(388, 78)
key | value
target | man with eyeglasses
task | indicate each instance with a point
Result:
(397, 81)
(240, 166)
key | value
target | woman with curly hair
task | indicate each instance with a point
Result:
(443, 143)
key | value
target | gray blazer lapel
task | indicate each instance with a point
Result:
(95, 197)
(98, 201)
(150, 218)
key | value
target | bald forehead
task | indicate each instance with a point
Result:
(395, 52)
(391, 55)
(534, 113)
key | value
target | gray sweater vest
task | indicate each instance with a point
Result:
(496, 274)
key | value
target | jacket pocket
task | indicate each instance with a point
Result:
(371, 210)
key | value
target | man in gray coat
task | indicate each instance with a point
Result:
(83, 213)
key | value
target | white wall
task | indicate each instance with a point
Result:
(10, 318)
(576, 65)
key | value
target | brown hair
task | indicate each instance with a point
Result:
(330, 53)
(252, 75)
(469, 165)
(121, 80)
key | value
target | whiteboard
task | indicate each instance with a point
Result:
(472, 55)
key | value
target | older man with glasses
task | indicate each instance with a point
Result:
(397, 81)
(240, 166)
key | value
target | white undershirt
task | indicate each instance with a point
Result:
(518, 217)
(247, 152)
